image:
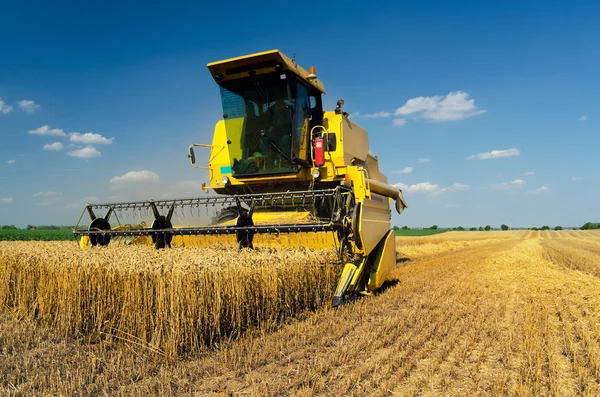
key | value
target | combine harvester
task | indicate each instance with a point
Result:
(286, 173)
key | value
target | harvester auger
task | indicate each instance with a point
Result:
(285, 173)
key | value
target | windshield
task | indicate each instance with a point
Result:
(259, 115)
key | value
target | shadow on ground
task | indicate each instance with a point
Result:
(387, 284)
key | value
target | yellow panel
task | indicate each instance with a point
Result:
(374, 223)
(234, 129)
(384, 261)
(356, 142)
(325, 240)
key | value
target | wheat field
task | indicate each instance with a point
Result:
(170, 301)
(464, 313)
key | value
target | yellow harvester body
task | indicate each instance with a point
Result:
(274, 151)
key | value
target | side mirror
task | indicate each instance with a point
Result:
(191, 155)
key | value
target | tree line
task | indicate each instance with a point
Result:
(38, 227)
(586, 226)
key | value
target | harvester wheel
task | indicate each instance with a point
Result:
(245, 237)
(225, 215)
(163, 239)
(99, 224)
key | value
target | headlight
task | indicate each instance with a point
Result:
(315, 173)
(225, 180)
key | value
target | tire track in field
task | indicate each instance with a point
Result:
(575, 254)
(334, 344)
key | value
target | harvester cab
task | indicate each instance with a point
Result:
(270, 108)
(285, 173)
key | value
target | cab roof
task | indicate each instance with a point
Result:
(260, 62)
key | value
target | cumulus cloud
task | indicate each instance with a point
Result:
(6, 200)
(56, 146)
(539, 190)
(406, 170)
(528, 173)
(4, 108)
(517, 183)
(28, 106)
(423, 160)
(376, 115)
(87, 152)
(11, 161)
(583, 118)
(454, 106)
(89, 138)
(430, 188)
(135, 177)
(46, 130)
(399, 122)
(495, 154)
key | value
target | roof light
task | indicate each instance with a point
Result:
(312, 73)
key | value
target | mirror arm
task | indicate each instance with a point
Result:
(192, 155)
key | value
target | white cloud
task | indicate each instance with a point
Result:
(406, 170)
(49, 193)
(539, 190)
(430, 188)
(89, 138)
(495, 154)
(11, 161)
(56, 146)
(454, 106)
(399, 122)
(423, 160)
(46, 130)
(6, 200)
(451, 206)
(529, 173)
(50, 197)
(517, 183)
(184, 189)
(376, 115)
(583, 118)
(79, 204)
(454, 187)
(87, 152)
(136, 177)
(4, 108)
(581, 178)
(28, 106)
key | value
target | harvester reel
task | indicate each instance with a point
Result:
(236, 218)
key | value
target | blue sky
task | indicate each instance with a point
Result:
(502, 99)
